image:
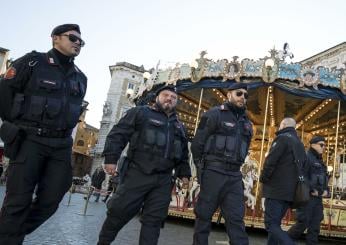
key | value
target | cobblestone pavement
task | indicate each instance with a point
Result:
(68, 226)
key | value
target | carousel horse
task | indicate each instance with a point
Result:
(249, 170)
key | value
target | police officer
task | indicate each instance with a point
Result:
(158, 145)
(310, 216)
(279, 177)
(219, 149)
(41, 99)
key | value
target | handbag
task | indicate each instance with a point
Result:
(302, 192)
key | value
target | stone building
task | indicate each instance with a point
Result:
(3, 65)
(334, 58)
(85, 139)
(124, 78)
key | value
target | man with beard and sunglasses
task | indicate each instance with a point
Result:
(219, 149)
(310, 216)
(157, 145)
(41, 99)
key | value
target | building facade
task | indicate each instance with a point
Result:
(333, 58)
(85, 139)
(3, 65)
(124, 77)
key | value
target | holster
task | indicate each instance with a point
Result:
(122, 168)
(13, 137)
(200, 169)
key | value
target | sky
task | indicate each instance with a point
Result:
(142, 32)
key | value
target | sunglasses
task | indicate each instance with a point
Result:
(240, 93)
(74, 38)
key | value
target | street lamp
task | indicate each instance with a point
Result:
(129, 92)
(146, 76)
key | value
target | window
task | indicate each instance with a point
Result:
(130, 86)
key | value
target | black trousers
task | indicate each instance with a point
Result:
(308, 217)
(151, 192)
(37, 168)
(226, 191)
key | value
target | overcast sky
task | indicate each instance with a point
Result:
(144, 31)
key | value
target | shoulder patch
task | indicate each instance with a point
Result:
(223, 108)
(10, 73)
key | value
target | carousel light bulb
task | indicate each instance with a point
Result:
(194, 64)
(329, 168)
(269, 63)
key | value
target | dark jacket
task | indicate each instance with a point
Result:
(317, 172)
(279, 175)
(41, 92)
(97, 178)
(158, 142)
(223, 137)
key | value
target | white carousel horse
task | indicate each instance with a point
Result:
(248, 180)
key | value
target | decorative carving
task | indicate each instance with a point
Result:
(343, 79)
(232, 70)
(174, 75)
(197, 73)
(107, 108)
(246, 70)
(309, 78)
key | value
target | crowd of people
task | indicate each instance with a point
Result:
(41, 99)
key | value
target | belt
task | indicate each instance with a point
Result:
(47, 132)
(225, 166)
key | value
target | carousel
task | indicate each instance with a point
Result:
(314, 96)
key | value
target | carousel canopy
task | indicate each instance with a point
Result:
(309, 94)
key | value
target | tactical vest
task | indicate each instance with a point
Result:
(51, 99)
(318, 176)
(158, 143)
(231, 140)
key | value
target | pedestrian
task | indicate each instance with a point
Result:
(41, 99)
(310, 216)
(219, 148)
(279, 178)
(113, 182)
(157, 145)
(96, 182)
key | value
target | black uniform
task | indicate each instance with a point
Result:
(221, 145)
(279, 177)
(310, 216)
(96, 181)
(157, 146)
(41, 101)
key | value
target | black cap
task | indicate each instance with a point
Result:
(166, 87)
(316, 139)
(64, 28)
(234, 86)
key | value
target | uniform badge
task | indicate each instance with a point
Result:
(51, 60)
(49, 82)
(156, 122)
(10, 73)
(229, 124)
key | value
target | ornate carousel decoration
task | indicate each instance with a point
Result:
(270, 69)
